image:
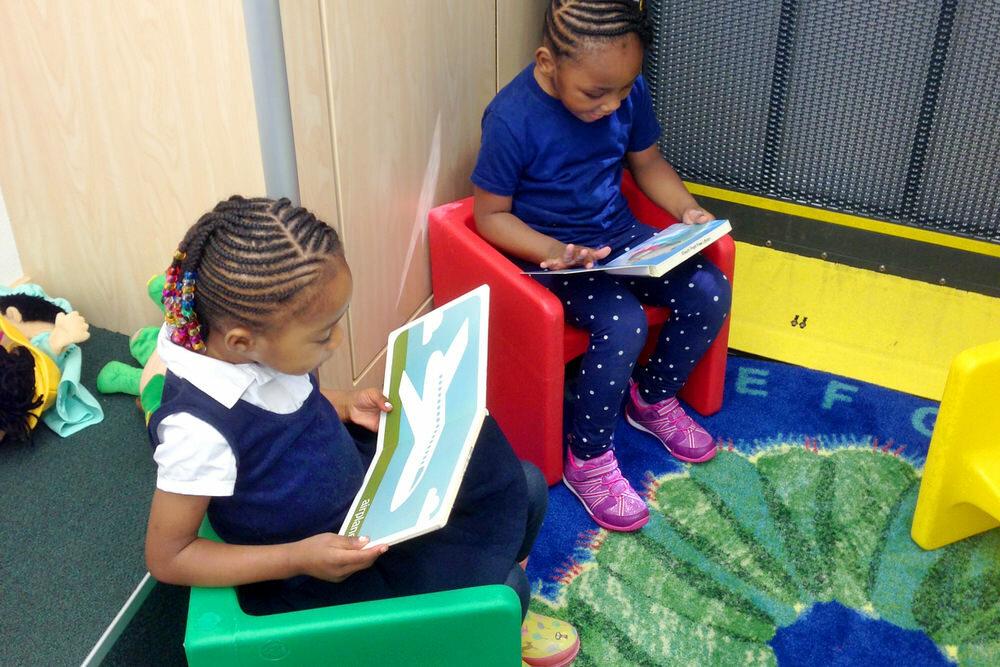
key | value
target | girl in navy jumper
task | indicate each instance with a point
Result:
(244, 435)
(547, 193)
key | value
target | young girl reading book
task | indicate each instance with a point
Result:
(254, 298)
(547, 193)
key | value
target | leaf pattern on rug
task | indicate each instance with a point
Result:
(746, 544)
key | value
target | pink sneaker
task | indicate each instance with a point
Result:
(667, 421)
(607, 496)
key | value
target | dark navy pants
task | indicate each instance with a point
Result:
(609, 307)
(493, 525)
(538, 502)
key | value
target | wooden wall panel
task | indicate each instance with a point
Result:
(408, 82)
(120, 123)
(519, 33)
(405, 85)
(307, 69)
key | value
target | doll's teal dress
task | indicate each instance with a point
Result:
(75, 407)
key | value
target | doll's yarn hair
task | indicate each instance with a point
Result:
(570, 24)
(32, 308)
(17, 393)
(243, 262)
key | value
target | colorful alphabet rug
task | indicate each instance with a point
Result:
(791, 547)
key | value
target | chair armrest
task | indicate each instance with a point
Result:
(462, 260)
(722, 253)
(525, 333)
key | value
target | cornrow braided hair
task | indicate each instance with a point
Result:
(568, 23)
(243, 261)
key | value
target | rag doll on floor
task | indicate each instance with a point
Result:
(40, 365)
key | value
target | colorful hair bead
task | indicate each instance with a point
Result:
(178, 304)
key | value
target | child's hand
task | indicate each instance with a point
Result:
(696, 216)
(366, 407)
(334, 557)
(574, 255)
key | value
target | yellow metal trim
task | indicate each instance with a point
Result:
(855, 222)
(890, 331)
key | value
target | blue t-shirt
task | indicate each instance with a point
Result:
(563, 175)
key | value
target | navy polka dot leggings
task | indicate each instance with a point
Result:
(609, 308)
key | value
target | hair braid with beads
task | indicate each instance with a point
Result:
(243, 261)
(571, 23)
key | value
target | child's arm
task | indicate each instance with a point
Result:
(499, 226)
(176, 555)
(361, 407)
(658, 181)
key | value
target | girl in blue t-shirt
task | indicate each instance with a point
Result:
(253, 300)
(547, 193)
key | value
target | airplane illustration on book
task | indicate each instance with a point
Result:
(426, 414)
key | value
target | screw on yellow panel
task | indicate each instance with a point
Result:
(960, 491)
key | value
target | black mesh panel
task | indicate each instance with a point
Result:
(889, 110)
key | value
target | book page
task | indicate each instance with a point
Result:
(660, 252)
(436, 382)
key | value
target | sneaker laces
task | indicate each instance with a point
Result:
(617, 485)
(671, 419)
(611, 476)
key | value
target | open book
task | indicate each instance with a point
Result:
(435, 378)
(660, 252)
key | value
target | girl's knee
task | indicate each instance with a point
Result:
(710, 285)
(518, 580)
(538, 488)
(721, 291)
(625, 329)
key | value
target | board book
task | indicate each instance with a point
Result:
(660, 252)
(435, 379)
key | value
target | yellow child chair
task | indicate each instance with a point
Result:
(960, 491)
(471, 626)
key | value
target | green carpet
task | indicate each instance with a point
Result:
(72, 523)
(791, 546)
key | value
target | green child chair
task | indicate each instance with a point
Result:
(471, 626)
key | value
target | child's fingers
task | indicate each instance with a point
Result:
(574, 255)
(380, 400)
(338, 556)
(374, 398)
(357, 557)
(697, 216)
(354, 542)
(359, 544)
(602, 252)
(592, 256)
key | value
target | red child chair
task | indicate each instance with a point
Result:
(530, 341)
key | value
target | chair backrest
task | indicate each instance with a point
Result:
(642, 207)
(960, 488)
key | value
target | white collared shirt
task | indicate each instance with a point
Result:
(193, 458)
